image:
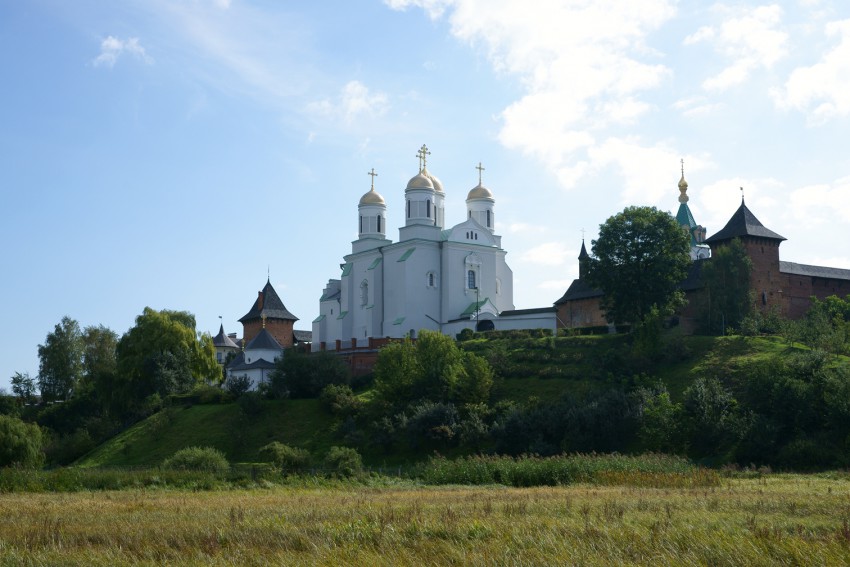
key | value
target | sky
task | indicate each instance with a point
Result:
(177, 153)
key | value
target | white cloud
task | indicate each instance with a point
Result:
(749, 37)
(112, 48)
(354, 100)
(714, 203)
(547, 254)
(584, 67)
(822, 90)
(818, 205)
(696, 106)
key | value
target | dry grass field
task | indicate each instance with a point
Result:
(771, 520)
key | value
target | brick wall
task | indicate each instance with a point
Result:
(280, 329)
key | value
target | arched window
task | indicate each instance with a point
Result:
(379, 223)
(361, 223)
(428, 208)
(364, 293)
(470, 279)
(431, 279)
(408, 209)
(488, 218)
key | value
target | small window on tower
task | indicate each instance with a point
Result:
(470, 279)
(488, 219)
(379, 223)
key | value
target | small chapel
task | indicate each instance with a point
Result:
(437, 277)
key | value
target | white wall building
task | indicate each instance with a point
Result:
(437, 278)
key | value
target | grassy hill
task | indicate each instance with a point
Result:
(544, 368)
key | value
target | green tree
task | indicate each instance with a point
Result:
(23, 386)
(20, 443)
(433, 368)
(826, 325)
(726, 280)
(100, 365)
(639, 259)
(60, 361)
(162, 355)
(302, 375)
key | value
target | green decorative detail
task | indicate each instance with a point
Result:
(346, 269)
(319, 318)
(398, 321)
(406, 255)
(342, 315)
(474, 307)
(374, 264)
(370, 306)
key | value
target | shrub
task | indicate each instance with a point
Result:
(344, 462)
(251, 403)
(238, 385)
(20, 443)
(207, 459)
(339, 399)
(285, 457)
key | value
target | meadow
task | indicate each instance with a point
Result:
(745, 519)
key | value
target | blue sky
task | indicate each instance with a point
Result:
(172, 153)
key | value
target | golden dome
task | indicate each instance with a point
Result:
(479, 192)
(420, 181)
(438, 185)
(372, 197)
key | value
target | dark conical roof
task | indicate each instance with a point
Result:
(268, 304)
(222, 340)
(264, 341)
(583, 254)
(743, 223)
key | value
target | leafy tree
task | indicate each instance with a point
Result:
(639, 259)
(23, 386)
(207, 459)
(237, 385)
(726, 280)
(60, 361)
(826, 325)
(303, 375)
(710, 413)
(286, 457)
(344, 462)
(161, 354)
(433, 368)
(20, 443)
(100, 365)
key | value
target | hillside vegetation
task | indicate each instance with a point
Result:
(585, 393)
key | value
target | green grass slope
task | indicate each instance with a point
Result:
(543, 368)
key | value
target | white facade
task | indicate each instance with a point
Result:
(432, 278)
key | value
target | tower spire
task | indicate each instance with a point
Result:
(683, 185)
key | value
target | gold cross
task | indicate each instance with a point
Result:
(683, 167)
(480, 169)
(374, 175)
(423, 154)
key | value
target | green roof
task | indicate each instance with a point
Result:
(398, 321)
(346, 269)
(474, 307)
(342, 315)
(319, 318)
(374, 264)
(406, 255)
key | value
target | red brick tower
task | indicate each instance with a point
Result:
(762, 246)
(278, 319)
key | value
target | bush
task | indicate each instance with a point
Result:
(20, 443)
(207, 394)
(237, 385)
(339, 399)
(207, 459)
(285, 457)
(251, 403)
(344, 462)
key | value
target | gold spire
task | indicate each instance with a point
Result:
(683, 185)
(374, 175)
(480, 169)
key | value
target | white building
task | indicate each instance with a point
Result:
(434, 277)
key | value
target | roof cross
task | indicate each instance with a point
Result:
(742, 194)
(423, 154)
(374, 175)
(683, 167)
(480, 169)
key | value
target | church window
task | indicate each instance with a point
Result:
(408, 209)
(428, 208)
(379, 223)
(476, 236)
(470, 214)
(488, 219)
(431, 280)
(361, 223)
(470, 279)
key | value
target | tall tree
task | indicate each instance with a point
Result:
(100, 365)
(638, 261)
(162, 354)
(23, 386)
(60, 361)
(726, 280)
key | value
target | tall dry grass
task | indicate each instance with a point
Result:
(774, 520)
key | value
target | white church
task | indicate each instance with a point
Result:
(437, 278)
